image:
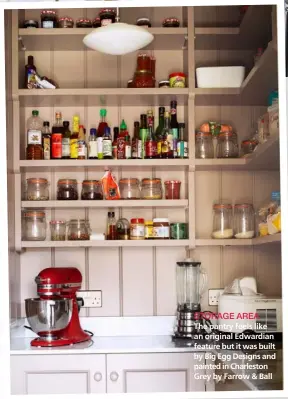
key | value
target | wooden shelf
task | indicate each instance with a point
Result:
(102, 244)
(207, 242)
(107, 204)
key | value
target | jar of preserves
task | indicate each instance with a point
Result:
(137, 229)
(67, 190)
(83, 23)
(172, 189)
(222, 221)
(151, 189)
(143, 79)
(107, 16)
(171, 22)
(129, 189)
(91, 190)
(161, 228)
(37, 189)
(244, 221)
(48, 19)
(149, 230)
(34, 226)
(78, 229)
(144, 22)
(65, 22)
(204, 148)
(58, 230)
(226, 145)
(96, 23)
(122, 229)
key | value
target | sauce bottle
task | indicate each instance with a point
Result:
(66, 141)
(128, 152)
(143, 134)
(150, 119)
(102, 124)
(46, 141)
(56, 138)
(34, 148)
(81, 143)
(173, 129)
(150, 145)
(92, 153)
(165, 135)
(121, 140)
(111, 226)
(114, 144)
(30, 70)
(159, 130)
(107, 144)
(135, 140)
(74, 138)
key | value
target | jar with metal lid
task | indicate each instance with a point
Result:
(130, 189)
(91, 190)
(171, 22)
(122, 229)
(244, 221)
(65, 22)
(83, 23)
(161, 228)
(58, 230)
(37, 189)
(204, 148)
(96, 23)
(137, 229)
(151, 189)
(149, 230)
(144, 22)
(34, 226)
(164, 84)
(78, 229)
(67, 190)
(30, 23)
(226, 145)
(107, 16)
(222, 221)
(48, 19)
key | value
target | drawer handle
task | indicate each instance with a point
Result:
(98, 377)
(114, 376)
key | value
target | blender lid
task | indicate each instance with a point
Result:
(187, 263)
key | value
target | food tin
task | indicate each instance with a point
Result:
(177, 79)
(178, 231)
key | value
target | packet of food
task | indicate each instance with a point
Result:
(110, 186)
(274, 223)
(263, 229)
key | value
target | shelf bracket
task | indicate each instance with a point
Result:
(184, 47)
(23, 48)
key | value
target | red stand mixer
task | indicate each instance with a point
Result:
(54, 315)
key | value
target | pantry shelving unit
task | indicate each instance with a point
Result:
(89, 80)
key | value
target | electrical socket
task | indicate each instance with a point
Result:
(92, 299)
(213, 296)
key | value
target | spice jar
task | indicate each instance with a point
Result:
(58, 230)
(149, 230)
(171, 22)
(67, 190)
(37, 189)
(204, 148)
(177, 79)
(226, 146)
(122, 229)
(129, 188)
(107, 16)
(96, 22)
(48, 19)
(30, 23)
(84, 23)
(222, 221)
(78, 229)
(65, 22)
(151, 189)
(164, 84)
(137, 229)
(244, 221)
(172, 189)
(161, 228)
(34, 226)
(144, 22)
(91, 190)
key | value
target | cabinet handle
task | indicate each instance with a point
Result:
(97, 377)
(114, 376)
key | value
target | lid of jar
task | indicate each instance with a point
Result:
(38, 214)
(57, 222)
(129, 181)
(137, 220)
(148, 222)
(171, 19)
(203, 134)
(172, 182)
(143, 19)
(243, 206)
(67, 181)
(161, 220)
(173, 74)
(68, 19)
(39, 180)
(163, 82)
(222, 206)
(143, 55)
(151, 181)
(225, 134)
(245, 142)
(91, 182)
(107, 11)
(80, 20)
(48, 12)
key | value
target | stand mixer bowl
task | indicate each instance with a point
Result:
(48, 317)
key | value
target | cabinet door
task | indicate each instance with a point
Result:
(58, 374)
(157, 372)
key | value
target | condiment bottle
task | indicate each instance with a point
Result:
(102, 124)
(150, 118)
(81, 143)
(150, 145)
(159, 131)
(34, 136)
(114, 144)
(143, 134)
(182, 145)
(173, 129)
(121, 140)
(111, 226)
(123, 129)
(56, 138)
(66, 141)
(107, 144)
(165, 136)
(92, 146)
(46, 141)
(30, 70)
(128, 154)
(136, 141)
(74, 138)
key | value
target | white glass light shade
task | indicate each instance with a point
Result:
(118, 38)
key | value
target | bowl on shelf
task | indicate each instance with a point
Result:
(220, 77)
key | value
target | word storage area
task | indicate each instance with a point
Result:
(123, 165)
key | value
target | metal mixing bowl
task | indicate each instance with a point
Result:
(47, 317)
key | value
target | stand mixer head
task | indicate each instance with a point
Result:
(54, 315)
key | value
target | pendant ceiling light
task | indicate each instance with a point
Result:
(118, 38)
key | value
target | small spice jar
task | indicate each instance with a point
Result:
(96, 23)
(144, 22)
(107, 16)
(172, 189)
(129, 189)
(58, 230)
(244, 221)
(149, 230)
(151, 189)
(222, 221)
(204, 148)
(91, 190)
(177, 79)
(37, 189)
(83, 23)
(161, 228)
(48, 19)
(30, 23)
(171, 22)
(78, 229)
(137, 229)
(34, 226)
(67, 190)
(65, 22)
(122, 229)
(164, 84)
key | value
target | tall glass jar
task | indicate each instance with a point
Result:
(37, 189)
(91, 190)
(244, 221)
(204, 145)
(67, 189)
(222, 221)
(33, 226)
(151, 189)
(227, 146)
(58, 230)
(78, 229)
(130, 188)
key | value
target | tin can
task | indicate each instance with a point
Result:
(179, 231)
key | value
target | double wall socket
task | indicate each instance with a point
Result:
(213, 296)
(92, 299)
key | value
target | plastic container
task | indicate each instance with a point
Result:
(37, 189)
(244, 221)
(222, 221)
(34, 226)
(67, 190)
(91, 190)
(149, 230)
(137, 229)
(130, 189)
(212, 77)
(172, 189)
(78, 229)
(269, 216)
(204, 148)
(58, 230)
(151, 189)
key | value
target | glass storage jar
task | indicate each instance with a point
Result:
(129, 188)
(67, 190)
(204, 147)
(151, 189)
(48, 19)
(91, 190)
(222, 221)
(58, 230)
(78, 229)
(172, 189)
(37, 189)
(244, 221)
(227, 146)
(34, 226)
(248, 146)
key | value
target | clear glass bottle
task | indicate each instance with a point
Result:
(34, 226)
(204, 145)
(222, 221)
(226, 146)
(34, 148)
(244, 221)
(92, 145)
(111, 226)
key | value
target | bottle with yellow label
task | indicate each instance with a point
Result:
(74, 138)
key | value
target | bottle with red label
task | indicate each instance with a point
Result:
(121, 143)
(150, 145)
(56, 137)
